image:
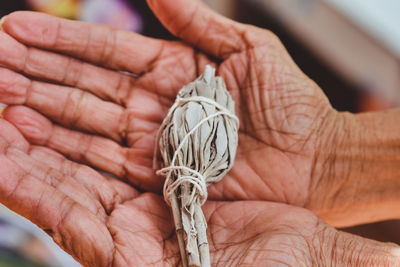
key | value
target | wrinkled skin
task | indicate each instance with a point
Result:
(104, 222)
(283, 113)
(90, 112)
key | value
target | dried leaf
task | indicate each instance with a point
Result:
(200, 133)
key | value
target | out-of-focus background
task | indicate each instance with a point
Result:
(350, 48)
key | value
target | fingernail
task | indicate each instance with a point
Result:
(2, 20)
(2, 108)
(396, 251)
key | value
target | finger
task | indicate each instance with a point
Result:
(68, 106)
(12, 136)
(43, 163)
(16, 151)
(98, 44)
(44, 65)
(58, 180)
(61, 217)
(109, 191)
(98, 152)
(195, 23)
(2, 107)
(346, 249)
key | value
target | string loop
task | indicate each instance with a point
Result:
(195, 178)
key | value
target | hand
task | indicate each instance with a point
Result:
(108, 119)
(104, 222)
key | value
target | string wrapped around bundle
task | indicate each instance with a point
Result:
(198, 140)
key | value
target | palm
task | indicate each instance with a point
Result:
(87, 109)
(278, 137)
(102, 221)
(281, 114)
(243, 233)
(150, 239)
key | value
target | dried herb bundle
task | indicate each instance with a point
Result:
(198, 141)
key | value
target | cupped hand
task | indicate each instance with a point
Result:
(98, 96)
(104, 222)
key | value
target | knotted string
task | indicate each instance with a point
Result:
(198, 180)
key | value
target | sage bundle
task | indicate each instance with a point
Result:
(198, 140)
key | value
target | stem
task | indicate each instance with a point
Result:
(176, 212)
(192, 249)
(201, 226)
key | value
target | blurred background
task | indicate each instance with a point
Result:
(350, 48)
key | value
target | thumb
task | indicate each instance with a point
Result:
(343, 249)
(198, 25)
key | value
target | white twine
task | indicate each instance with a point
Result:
(196, 179)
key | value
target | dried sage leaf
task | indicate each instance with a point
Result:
(198, 141)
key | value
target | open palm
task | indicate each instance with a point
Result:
(105, 222)
(109, 103)
(84, 97)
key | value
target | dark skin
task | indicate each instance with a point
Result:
(72, 111)
(282, 112)
(104, 222)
